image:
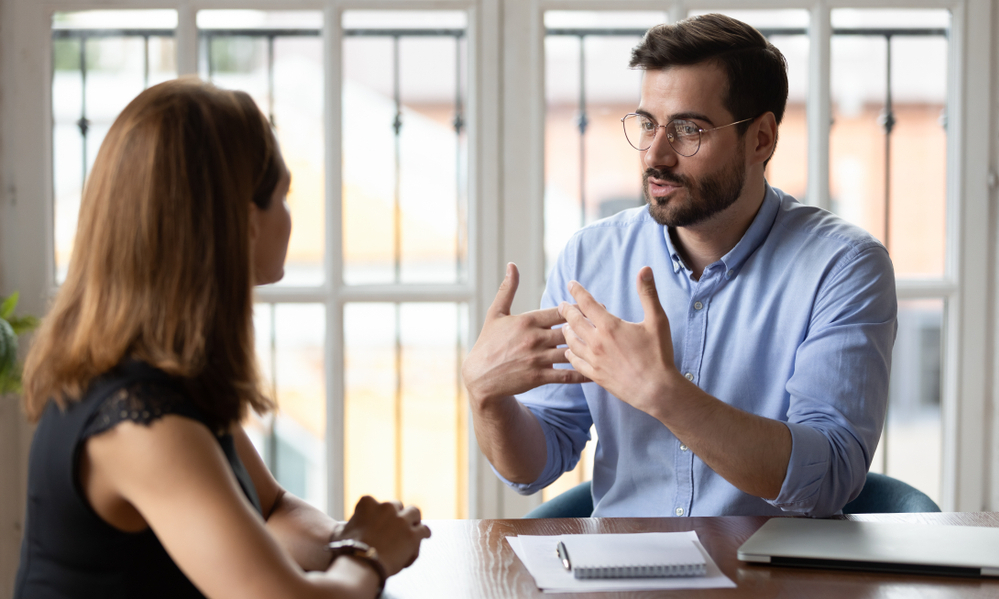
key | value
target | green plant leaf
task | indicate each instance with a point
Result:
(8, 348)
(8, 305)
(10, 379)
(23, 324)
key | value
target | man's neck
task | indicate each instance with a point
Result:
(707, 242)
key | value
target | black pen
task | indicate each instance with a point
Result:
(563, 554)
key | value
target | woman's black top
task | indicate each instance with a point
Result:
(68, 551)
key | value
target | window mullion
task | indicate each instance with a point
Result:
(187, 40)
(333, 263)
(819, 106)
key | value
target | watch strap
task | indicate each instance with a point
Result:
(363, 552)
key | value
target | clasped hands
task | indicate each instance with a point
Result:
(515, 353)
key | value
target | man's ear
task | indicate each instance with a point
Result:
(762, 139)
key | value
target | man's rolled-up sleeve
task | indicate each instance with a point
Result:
(839, 387)
(561, 410)
(565, 419)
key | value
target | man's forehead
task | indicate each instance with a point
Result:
(684, 91)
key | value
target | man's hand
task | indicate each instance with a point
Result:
(514, 354)
(631, 360)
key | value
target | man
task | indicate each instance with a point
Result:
(749, 373)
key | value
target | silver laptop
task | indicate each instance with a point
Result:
(881, 546)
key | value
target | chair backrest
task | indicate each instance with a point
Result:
(577, 502)
(881, 495)
(886, 495)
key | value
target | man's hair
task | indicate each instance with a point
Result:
(756, 70)
(161, 269)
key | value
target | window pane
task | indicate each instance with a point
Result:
(911, 448)
(97, 70)
(898, 169)
(405, 409)
(277, 58)
(404, 147)
(289, 342)
(590, 170)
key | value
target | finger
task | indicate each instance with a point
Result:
(577, 345)
(555, 355)
(507, 289)
(547, 318)
(575, 320)
(648, 294)
(411, 515)
(588, 306)
(560, 376)
(396, 503)
(579, 364)
(571, 337)
(551, 338)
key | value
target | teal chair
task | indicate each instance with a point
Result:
(886, 495)
(881, 495)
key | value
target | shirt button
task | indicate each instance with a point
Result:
(730, 274)
(679, 511)
(698, 305)
(683, 448)
(688, 376)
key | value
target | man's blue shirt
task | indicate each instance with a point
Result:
(796, 323)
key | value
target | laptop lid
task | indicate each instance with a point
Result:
(881, 546)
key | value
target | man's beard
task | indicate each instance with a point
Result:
(705, 198)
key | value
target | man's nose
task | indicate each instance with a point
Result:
(660, 153)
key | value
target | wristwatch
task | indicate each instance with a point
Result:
(362, 551)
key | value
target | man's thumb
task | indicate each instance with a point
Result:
(647, 293)
(508, 288)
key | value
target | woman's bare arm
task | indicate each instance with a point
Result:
(302, 530)
(175, 475)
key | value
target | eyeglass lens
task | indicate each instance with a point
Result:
(683, 136)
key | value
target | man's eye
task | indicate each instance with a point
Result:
(686, 128)
(647, 126)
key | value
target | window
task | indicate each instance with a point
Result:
(373, 296)
(888, 174)
(366, 258)
(886, 159)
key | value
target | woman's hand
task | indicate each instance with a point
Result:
(395, 531)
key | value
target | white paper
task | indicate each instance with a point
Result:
(537, 552)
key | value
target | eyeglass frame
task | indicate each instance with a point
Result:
(700, 131)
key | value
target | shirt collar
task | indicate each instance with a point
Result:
(751, 240)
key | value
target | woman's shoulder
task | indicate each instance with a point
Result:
(139, 393)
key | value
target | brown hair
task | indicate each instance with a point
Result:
(161, 267)
(755, 68)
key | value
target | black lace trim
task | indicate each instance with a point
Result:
(142, 403)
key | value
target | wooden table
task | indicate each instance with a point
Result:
(470, 559)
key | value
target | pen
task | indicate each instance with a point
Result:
(563, 554)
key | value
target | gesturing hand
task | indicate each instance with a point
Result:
(631, 360)
(515, 353)
(395, 531)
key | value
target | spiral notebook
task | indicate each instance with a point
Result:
(636, 555)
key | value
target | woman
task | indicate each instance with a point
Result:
(141, 481)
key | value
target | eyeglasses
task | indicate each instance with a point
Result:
(684, 136)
